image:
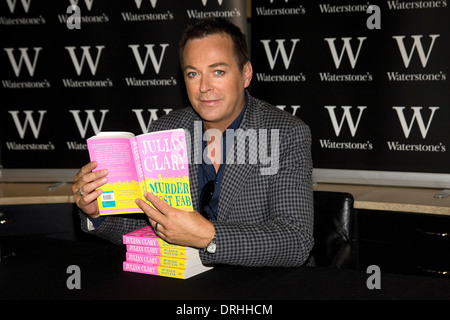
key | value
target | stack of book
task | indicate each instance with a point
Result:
(149, 254)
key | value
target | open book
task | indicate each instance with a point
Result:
(156, 162)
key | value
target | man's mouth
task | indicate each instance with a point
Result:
(208, 102)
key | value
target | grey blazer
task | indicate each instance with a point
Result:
(265, 212)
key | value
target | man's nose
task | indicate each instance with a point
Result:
(205, 84)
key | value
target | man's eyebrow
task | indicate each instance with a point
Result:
(214, 65)
(189, 67)
(218, 64)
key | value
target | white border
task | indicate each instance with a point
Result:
(37, 175)
(388, 178)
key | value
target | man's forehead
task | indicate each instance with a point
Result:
(217, 51)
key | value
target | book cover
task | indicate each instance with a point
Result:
(156, 162)
(165, 271)
(179, 252)
(146, 236)
(163, 261)
(145, 241)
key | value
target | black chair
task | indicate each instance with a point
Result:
(333, 216)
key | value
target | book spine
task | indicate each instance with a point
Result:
(149, 241)
(157, 251)
(156, 260)
(153, 270)
(137, 161)
(142, 241)
(147, 237)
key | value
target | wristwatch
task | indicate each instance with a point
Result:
(211, 247)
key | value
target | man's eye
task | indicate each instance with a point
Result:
(219, 72)
(191, 74)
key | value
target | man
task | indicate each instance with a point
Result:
(253, 217)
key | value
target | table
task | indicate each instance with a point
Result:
(36, 208)
(392, 198)
(35, 193)
(405, 199)
(38, 270)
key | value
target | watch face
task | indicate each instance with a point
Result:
(211, 248)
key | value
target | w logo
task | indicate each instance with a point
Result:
(24, 58)
(145, 127)
(89, 121)
(88, 3)
(28, 122)
(85, 57)
(150, 53)
(139, 2)
(416, 117)
(206, 1)
(346, 48)
(346, 117)
(417, 46)
(280, 50)
(12, 5)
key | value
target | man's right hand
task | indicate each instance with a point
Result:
(85, 188)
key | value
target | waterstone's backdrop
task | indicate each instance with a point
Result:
(370, 78)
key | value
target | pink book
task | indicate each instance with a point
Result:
(163, 260)
(156, 162)
(145, 241)
(178, 252)
(165, 271)
(146, 237)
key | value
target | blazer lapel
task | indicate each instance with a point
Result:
(194, 146)
(193, 183)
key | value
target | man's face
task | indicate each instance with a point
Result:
(214, 83)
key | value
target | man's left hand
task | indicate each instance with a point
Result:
(175, 226)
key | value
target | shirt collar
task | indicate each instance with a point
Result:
(237, 122)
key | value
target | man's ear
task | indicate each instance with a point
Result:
(247, 73)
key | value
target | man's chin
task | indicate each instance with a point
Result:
(207, 115)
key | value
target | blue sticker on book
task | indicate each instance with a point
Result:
(108, 199)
